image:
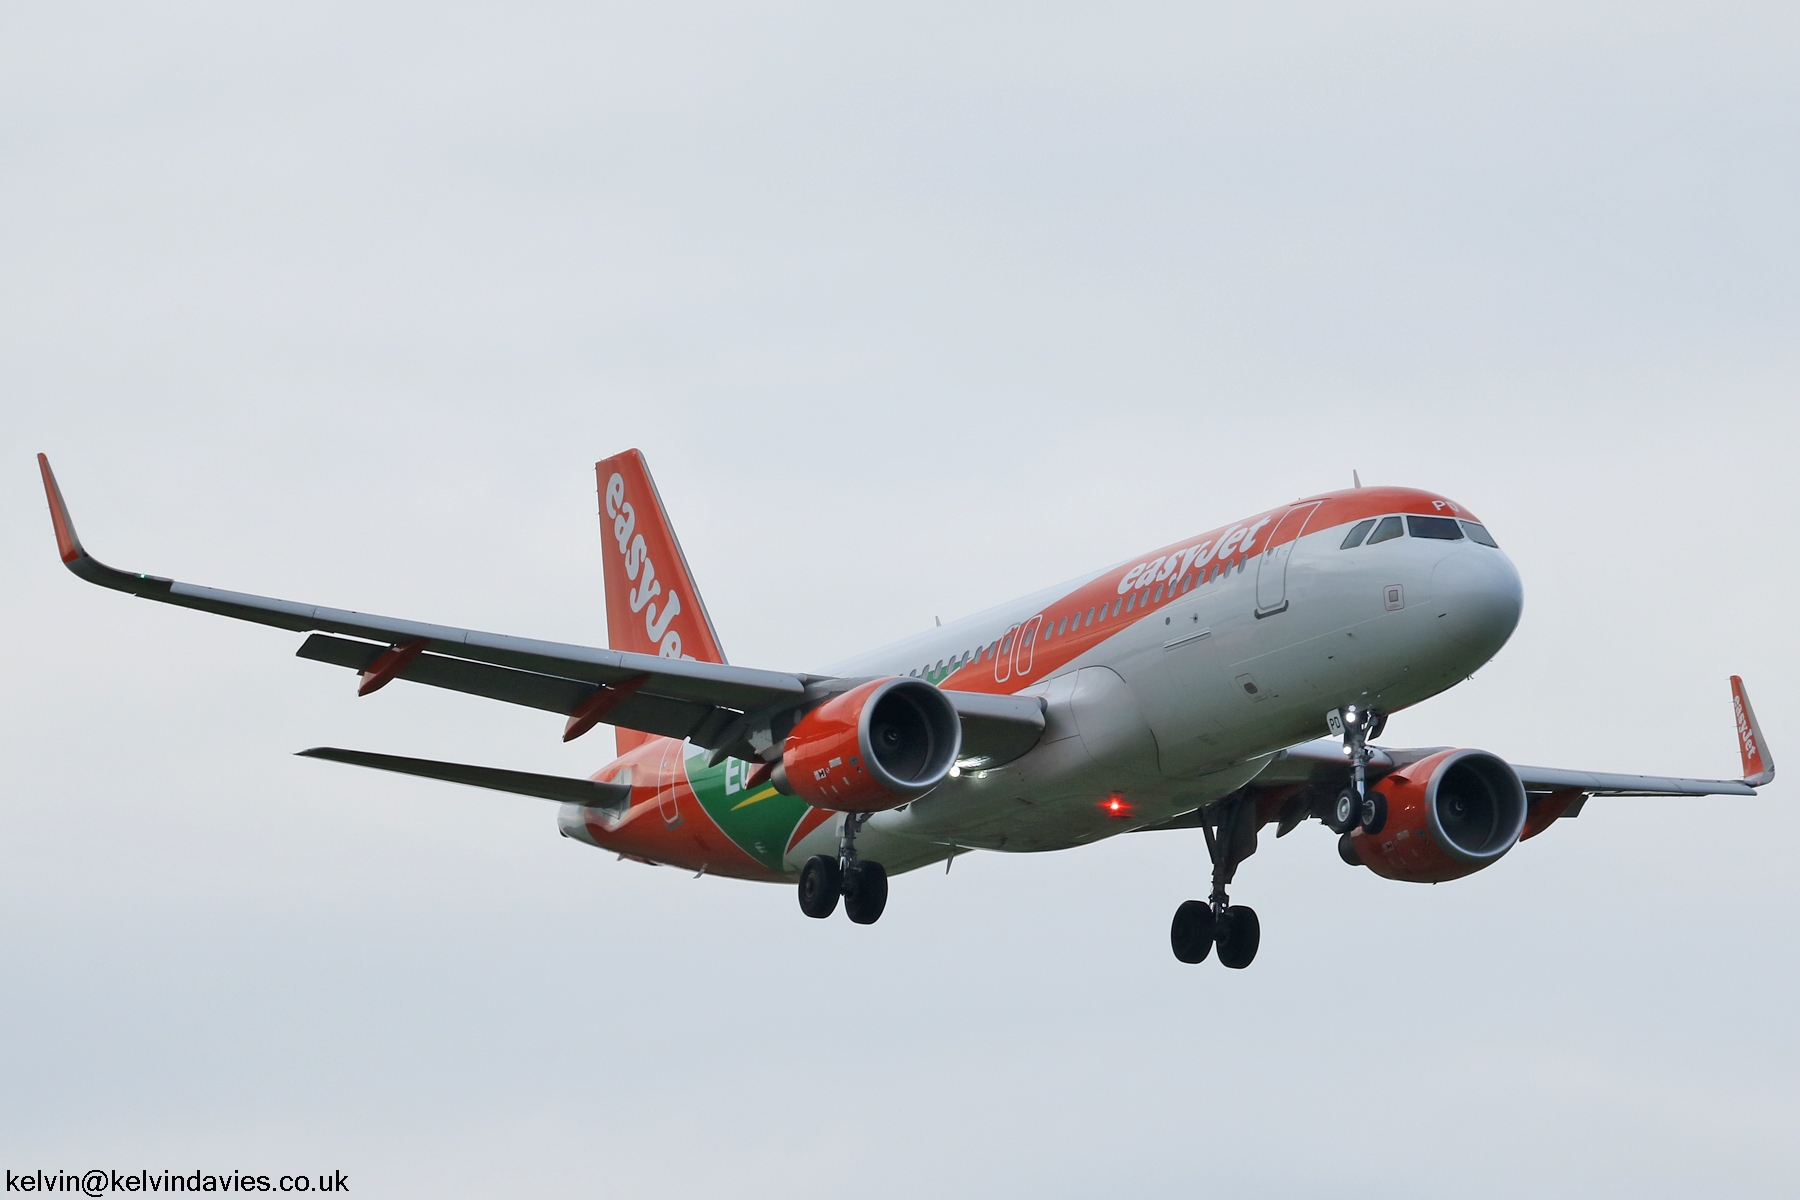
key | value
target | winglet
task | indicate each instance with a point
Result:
(67, 544)
(75, 557)
(1759, 764)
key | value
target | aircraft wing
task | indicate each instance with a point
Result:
(714, 705)
(1303, 780)
(1323, 761)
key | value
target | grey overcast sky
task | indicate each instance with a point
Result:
(911, 309)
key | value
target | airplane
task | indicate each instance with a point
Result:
(1227, 681)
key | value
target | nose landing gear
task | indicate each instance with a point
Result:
(1356, 805)
(1200, 925)
(863, 885)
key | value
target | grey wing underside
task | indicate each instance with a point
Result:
(1305, 778)
(714, 705)
(1325, 757)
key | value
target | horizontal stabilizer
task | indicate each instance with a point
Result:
(586, 792)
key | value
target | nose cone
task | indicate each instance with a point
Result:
(1478, 593)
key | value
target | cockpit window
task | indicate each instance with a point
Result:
(1357, 533)
(1443, 529)
(1389, 528)
(1479, 534)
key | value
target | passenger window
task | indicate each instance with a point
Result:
(1357, 533)
(1443, 529)
(1115, 608)
(1090, 616)
(1062, 626)
(1389, 528)
(1131, 603)
(1159, 592)
(1479, 534)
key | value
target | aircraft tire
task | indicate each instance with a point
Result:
(1346, 810)
(866, 896)
(820, 882)
(1191, 932)
(1373, 814)
(1239, 934)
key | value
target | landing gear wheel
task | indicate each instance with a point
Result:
(1346, 810)
(865, 893)
(1238, 934)
(1373, 814)
(820, 883)
(1191, 933)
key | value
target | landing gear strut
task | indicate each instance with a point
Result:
(863, 885)
(1357, 805)
(1200, 925)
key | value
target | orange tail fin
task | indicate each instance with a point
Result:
(652, 606)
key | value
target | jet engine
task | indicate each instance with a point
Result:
(1447, 816)
(874, 747)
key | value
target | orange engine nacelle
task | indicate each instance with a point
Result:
(1448, 815)
(874, 747)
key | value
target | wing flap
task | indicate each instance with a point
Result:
(997, 729)
(665, 716)
(551, 693)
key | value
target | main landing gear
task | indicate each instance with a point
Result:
(863, 885)
(1200, 925)
(1230, 828)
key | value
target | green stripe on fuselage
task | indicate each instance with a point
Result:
(759, 819)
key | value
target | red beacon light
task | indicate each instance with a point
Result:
(1116, 806)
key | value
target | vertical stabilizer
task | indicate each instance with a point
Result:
(652, 606)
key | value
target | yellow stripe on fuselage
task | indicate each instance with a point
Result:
(762, 795)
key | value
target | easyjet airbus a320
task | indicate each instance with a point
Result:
(1230, 681)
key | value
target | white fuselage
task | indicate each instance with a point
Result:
(1190, 701)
